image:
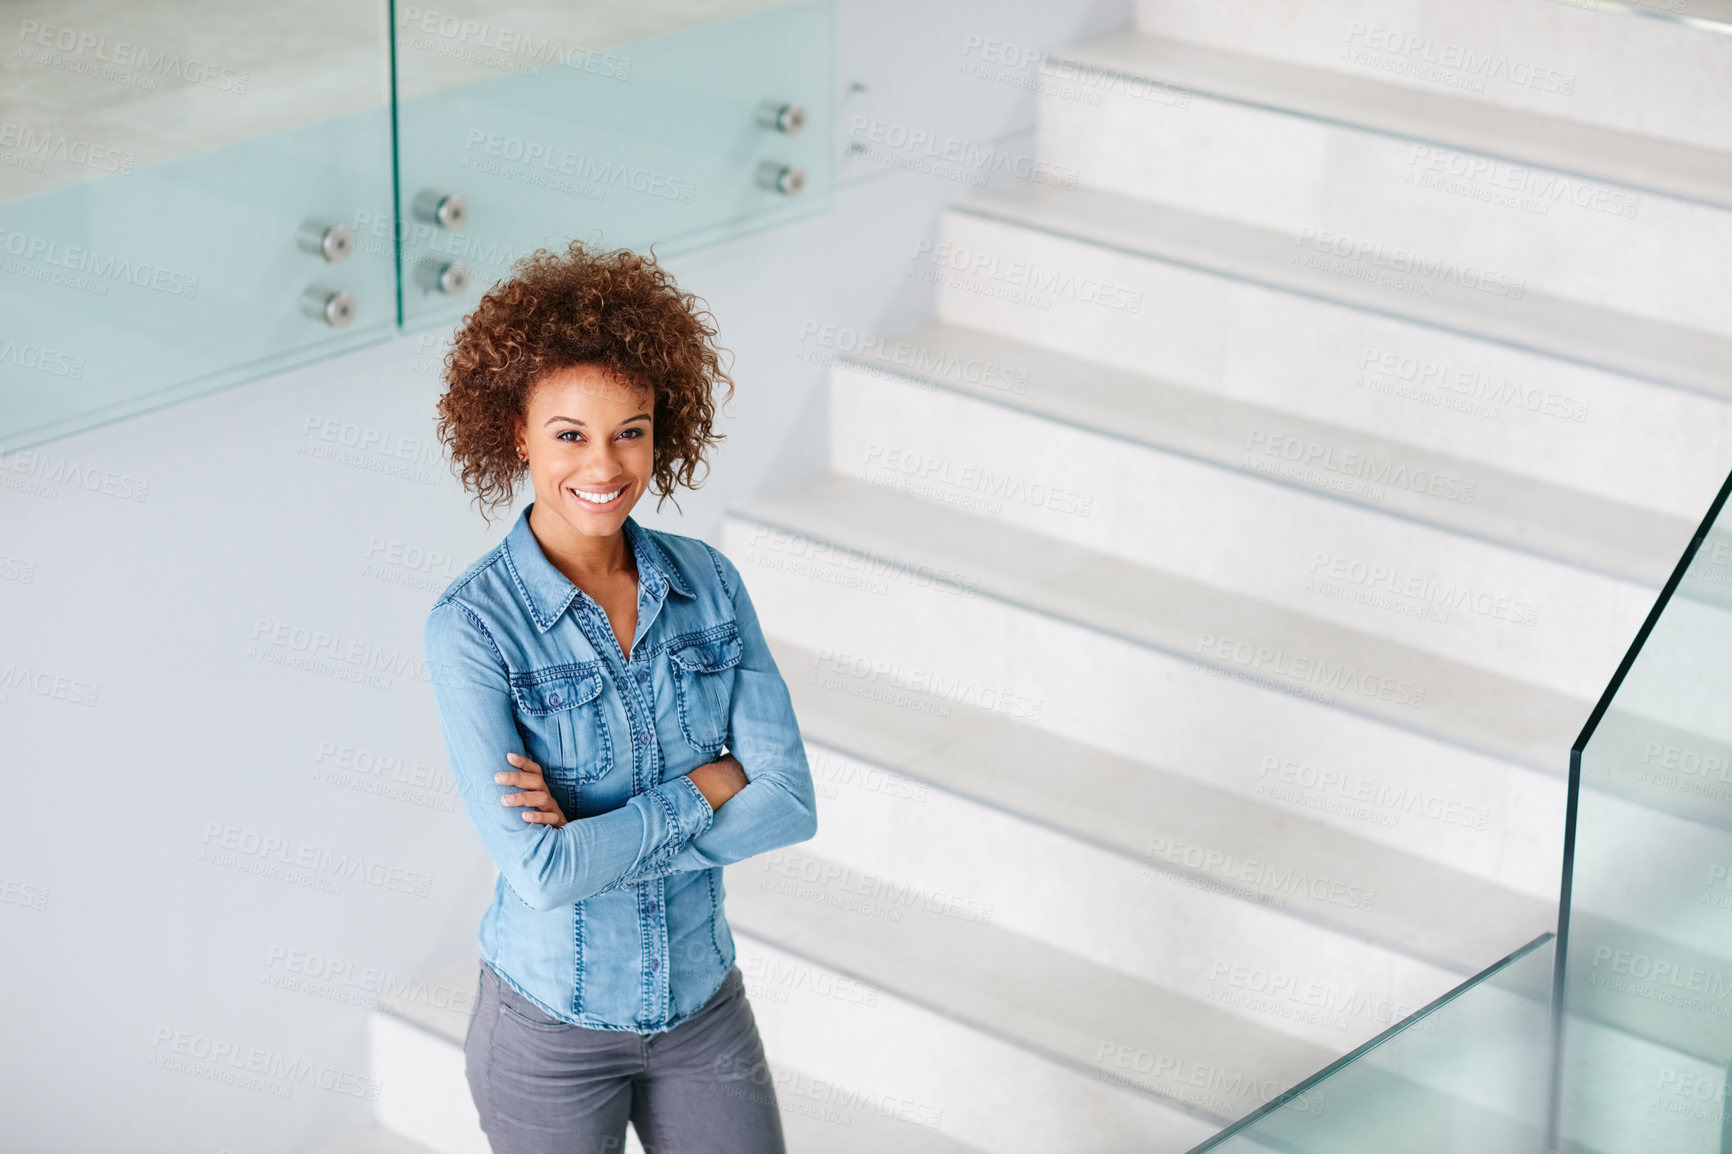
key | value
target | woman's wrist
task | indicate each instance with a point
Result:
(719, 780)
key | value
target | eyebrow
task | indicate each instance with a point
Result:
(581, 425)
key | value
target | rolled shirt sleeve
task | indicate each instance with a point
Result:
(547, 866)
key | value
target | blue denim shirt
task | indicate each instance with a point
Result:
(614, 920)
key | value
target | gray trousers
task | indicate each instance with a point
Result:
(543, 1086)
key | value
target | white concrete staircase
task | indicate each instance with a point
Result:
(1190, 632)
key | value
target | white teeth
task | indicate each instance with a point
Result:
(599, 500)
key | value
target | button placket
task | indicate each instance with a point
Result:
(634, 677)
(640, 726)
(652, 905)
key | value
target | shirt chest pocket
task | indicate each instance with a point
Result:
(561, 711)
(703, 666)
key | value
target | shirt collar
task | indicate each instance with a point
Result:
(549, 593)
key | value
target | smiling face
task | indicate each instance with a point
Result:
(588, 435)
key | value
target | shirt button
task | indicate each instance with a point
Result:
(651, 908)
(655, 964)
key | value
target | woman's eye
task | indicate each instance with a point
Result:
(572, 436)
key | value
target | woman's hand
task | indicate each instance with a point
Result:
(535, 793)
(719, 780)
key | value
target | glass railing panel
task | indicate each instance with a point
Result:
(528, 126)
(1466, 1073)
(168, 187)
(1647, 991)
(1709, 15)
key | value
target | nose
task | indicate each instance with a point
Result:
(600, 464)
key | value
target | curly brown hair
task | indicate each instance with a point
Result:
(617, 310)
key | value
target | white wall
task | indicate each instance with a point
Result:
(148, 713)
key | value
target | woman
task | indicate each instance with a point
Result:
(614, 721)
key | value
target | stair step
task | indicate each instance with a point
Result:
(1635, 346)
(1236, 848)
(1085, 457)
(1137, 287)
(937, 1071)
(375, 1140)
(1666, 765)
(443, 1004)
(1067, 1008)
(1651, 164)
(1625, 1092)
(423, 1094)
(813, 1129)
(1610, 66)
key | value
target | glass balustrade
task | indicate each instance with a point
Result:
(177, 198)
(1629, 1051)
(528, 127)
(1647, 979)
(191, 202)
(1467, 1073)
